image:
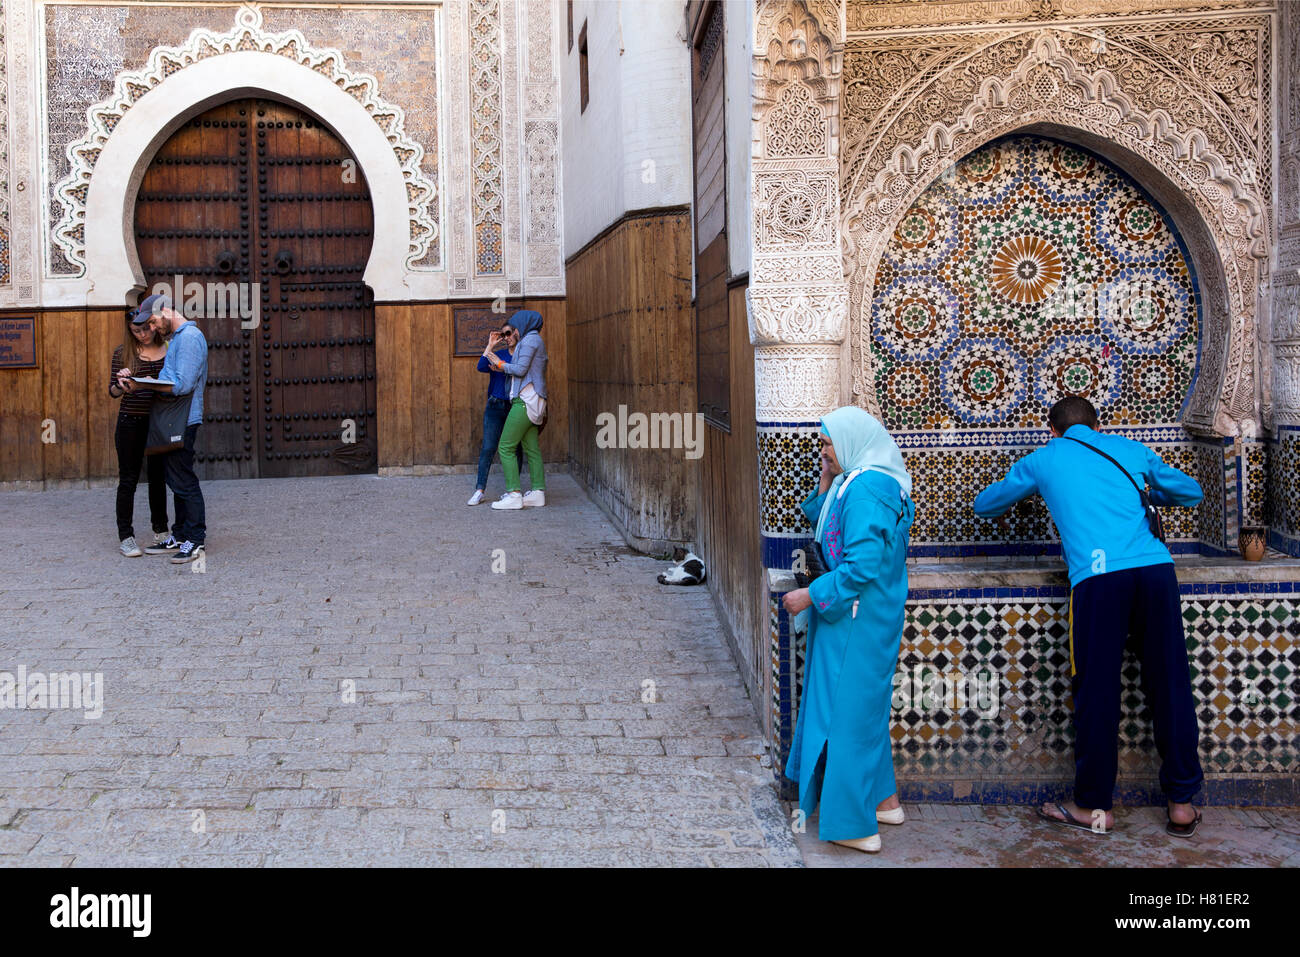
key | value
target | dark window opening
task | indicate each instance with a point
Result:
(582, 66)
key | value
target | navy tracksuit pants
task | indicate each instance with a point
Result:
(1105, 610)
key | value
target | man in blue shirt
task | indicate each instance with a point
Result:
(494, 415)
(1122, 582)
(184, 372)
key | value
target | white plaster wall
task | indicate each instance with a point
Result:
(639, 111)
(738, 87)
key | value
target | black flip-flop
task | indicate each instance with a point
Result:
(1181, 830)
(1069, 820)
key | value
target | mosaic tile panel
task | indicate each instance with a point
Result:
(788, 466)
(1030, 270)
(982, 691)
(945, 482)
(1254, 483)
(1284, 491)
(946, 479)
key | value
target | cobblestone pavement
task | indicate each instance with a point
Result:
(499, 717)
(971, 835)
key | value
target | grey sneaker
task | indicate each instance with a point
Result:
(162, 546)
(186, 553)
(129, 548)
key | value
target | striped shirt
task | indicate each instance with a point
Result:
(137, 402)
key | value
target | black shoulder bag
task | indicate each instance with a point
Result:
(168, 416)
(1153, 516)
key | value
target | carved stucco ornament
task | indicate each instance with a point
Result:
(247, 35)
(797, 297)
(1049, 88)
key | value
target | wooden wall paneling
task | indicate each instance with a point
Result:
(439, 396)
(728, 517)
(64, 385)
(103, 335)
(555, 444)
(469, 389)
(393, 384)
(22, 406)
(630, 342)
(427, 392)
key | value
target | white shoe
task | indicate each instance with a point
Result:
(869, 844)
(509, 500)
(129, 548)
(894, 816)
(535, 498)
(476, 497)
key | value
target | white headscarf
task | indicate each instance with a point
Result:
(860, 442)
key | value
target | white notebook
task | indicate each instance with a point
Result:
(145, 380)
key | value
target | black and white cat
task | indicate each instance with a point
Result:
(689, 569)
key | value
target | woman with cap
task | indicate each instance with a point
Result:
(141, 353)
(863, 513)
(527, 409)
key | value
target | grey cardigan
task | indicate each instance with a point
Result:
(528, 365)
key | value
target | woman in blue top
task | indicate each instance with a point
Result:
(863, 513)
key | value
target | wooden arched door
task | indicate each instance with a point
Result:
(259, 203)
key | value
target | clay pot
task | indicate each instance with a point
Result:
(1253, 541)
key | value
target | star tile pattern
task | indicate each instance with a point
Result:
(1030, 270)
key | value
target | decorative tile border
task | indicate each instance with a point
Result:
(1244, 645)
(949, 468)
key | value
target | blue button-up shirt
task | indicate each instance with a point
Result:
(186, 367)
(1096, 509)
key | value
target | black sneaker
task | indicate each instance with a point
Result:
(187, 552)
(162, 546)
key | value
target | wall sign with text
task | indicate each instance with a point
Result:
(472, 325)
(17, 342)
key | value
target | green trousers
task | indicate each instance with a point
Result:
(519, 430)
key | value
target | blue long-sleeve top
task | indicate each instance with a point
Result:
(499, 383)
(186, 367)
(1097, 511)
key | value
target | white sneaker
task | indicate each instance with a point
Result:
(476, 497)
(537, 497)
(869, 844)
(893, 816)
(129, 548)
(509, 500)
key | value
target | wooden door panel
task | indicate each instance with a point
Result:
(266, 185)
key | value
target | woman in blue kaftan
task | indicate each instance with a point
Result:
(863, 512)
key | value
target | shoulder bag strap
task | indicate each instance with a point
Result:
(1132, 481)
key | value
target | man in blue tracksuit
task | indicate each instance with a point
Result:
(1122, 582)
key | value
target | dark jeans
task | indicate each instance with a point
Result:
(190, 517)
(1105, 611)
(131, 436)
(494, 420)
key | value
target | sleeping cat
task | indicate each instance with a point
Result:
(689, 569)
